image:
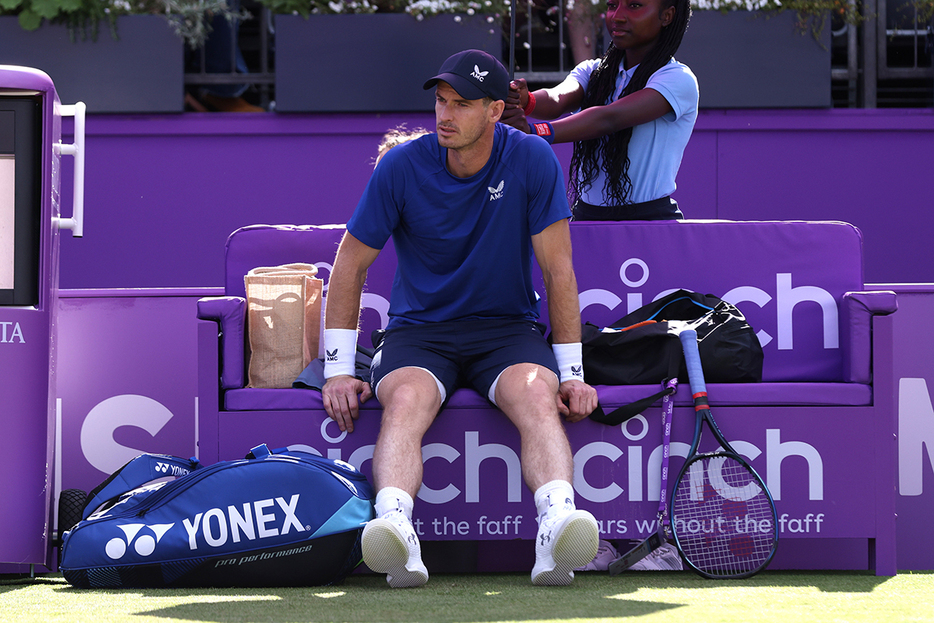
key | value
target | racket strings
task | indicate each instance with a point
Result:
(723, 518)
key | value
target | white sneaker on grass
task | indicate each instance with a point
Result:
(567, 540)
(665, 558)
(391, 546)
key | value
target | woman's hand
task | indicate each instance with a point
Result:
(518, 94)
(516, 118)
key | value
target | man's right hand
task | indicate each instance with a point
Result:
(342, 396)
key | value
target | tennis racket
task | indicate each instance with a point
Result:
(663, 529)
(722, 515)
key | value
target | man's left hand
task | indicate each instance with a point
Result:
(576, 400)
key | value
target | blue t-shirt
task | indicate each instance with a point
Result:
(464, 245)
(656, 147)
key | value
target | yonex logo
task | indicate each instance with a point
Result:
(496, 193)
(175, 470)
(144, 544)
(251, 521)
(479, 75)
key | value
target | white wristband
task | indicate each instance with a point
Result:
(570, 361)
(340, 352)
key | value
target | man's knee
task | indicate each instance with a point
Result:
(526, 383)
(529, 378)
(409, 390)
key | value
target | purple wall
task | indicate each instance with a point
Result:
(164, 192)
(140, 395)
(914, 372)
(128, 379)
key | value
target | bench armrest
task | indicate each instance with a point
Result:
(230, 314)
(856, 330)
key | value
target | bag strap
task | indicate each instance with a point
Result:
(668, 406)
(624, 412)
(137, 472)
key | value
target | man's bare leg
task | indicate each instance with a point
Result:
(567, 538)
(411, 400)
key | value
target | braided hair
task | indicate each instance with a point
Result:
(615, 147)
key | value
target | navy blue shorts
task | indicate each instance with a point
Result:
(465, 353)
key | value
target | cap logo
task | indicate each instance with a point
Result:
(479, 75)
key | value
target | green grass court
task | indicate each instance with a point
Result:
(681, 597)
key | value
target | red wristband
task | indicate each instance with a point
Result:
(530, 106)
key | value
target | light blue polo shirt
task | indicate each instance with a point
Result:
(656, 148)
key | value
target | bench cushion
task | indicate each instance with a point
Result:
(726, 394)
(788, 278)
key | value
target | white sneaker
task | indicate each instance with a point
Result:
(391, 546)
(665, 558)
(606, 554)
(565, 541)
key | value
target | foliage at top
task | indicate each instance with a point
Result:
(417, 8)
(190, 19)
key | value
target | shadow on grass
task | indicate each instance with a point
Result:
(454, 598)
(824, 581)
(12, 582)
(447, 598)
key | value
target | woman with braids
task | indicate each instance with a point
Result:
(636, 111)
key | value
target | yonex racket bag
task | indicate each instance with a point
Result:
(282, 518)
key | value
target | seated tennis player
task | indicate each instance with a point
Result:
(466, 207)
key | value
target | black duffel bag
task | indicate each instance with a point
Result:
(643, 348)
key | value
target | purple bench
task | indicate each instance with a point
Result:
(820, 428)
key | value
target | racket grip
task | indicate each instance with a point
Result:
(692, 361)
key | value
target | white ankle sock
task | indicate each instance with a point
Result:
(390, 499)
(555, 494)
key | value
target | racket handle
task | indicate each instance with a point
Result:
(692, 361)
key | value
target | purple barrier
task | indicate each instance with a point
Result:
(914, 370)
(786, 278)
(118, 346)
(473, 488)
(128, 380)
(28, 429)
(206, 175)
(194, 178)
(794, 278)
(788, 284)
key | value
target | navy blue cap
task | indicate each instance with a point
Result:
(474, 74)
